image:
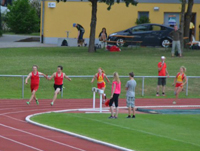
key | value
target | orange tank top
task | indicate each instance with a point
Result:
(100, 78)
(180, 77)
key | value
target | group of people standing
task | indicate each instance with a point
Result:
(116, 91)
(179, 81)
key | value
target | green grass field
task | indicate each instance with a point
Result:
(77, 61)
(145, 133)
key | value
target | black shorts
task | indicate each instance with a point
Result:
(58, 86)
(114, 99)
(162, 81)
(80, 37)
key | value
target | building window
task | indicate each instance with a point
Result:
(140, 14)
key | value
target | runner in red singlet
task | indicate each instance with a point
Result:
(35, 80)
(58, 82)
(100, 81)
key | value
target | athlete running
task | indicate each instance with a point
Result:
(178, 81)
(35, 80)
(58, 82)
(100, 81)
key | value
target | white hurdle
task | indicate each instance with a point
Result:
(101, 92)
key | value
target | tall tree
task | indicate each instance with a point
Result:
(22, 18)
(188, 17)
(183, 3)
(94, 17)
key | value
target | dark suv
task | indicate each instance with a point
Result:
(149, 34)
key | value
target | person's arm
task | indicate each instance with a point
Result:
(113, 90)
(106, 78)
(160, 67)
(167, 73)
(40, 73)
(66, 77)
(185, 78)
(53, 75)
(95, 76)
(29, 75)
(126, 88)
(175, 80)
(171, 34)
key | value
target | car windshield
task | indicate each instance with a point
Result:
(139, 28)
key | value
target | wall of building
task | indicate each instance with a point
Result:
(58, 20)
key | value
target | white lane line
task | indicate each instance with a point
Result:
(14, 118)
(41, 137)
(142, 131)
(22, 111)
(74, 134)
(21, 143)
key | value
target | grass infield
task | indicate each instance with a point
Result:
(77, 61)
(145, 133)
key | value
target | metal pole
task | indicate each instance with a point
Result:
(100, 103)
(142, 86)
(22, 87)
(62, 92)
(187, 86)
(94, 95)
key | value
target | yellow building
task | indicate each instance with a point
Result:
(59, 17)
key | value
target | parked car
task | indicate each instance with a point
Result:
(149, 34)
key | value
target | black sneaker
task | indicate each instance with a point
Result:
(128, 116)
(111, 117)
(115, 117)
(133, 116)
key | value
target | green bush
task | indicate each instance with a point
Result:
(142, 20)
(22, 18)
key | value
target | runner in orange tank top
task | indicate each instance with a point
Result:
(100, 81)
(35, 80)
(58, 82)
(179, 81)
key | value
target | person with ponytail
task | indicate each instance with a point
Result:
(115, 92)
(100, 76)
(179, 81)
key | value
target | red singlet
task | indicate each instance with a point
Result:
(35, 80)
(58, 79)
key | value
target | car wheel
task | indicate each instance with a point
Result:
(165, 43)
(120, 42)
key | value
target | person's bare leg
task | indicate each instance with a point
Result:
(129, 111)
(116, 111)
(32, 97)
(133, 111)
(55, 95)
(112, 112)
(158, 89)
(163, 89)
(178, 91)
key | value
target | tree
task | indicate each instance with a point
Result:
(22, 18)
(188, 17)
(94, 17)
(37, 5)
(183, 3)
(142, 20)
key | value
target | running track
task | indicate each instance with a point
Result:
(18, 135)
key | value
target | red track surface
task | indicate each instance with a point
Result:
(17, 135)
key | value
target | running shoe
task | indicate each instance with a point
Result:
(157, 94)
(37, 102)
(115, 117)
(27, 103)
(163, 94)
(128, 116)
(133, 116)
(51, 103)
(111, 117)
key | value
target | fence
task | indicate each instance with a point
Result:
(89, 76)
